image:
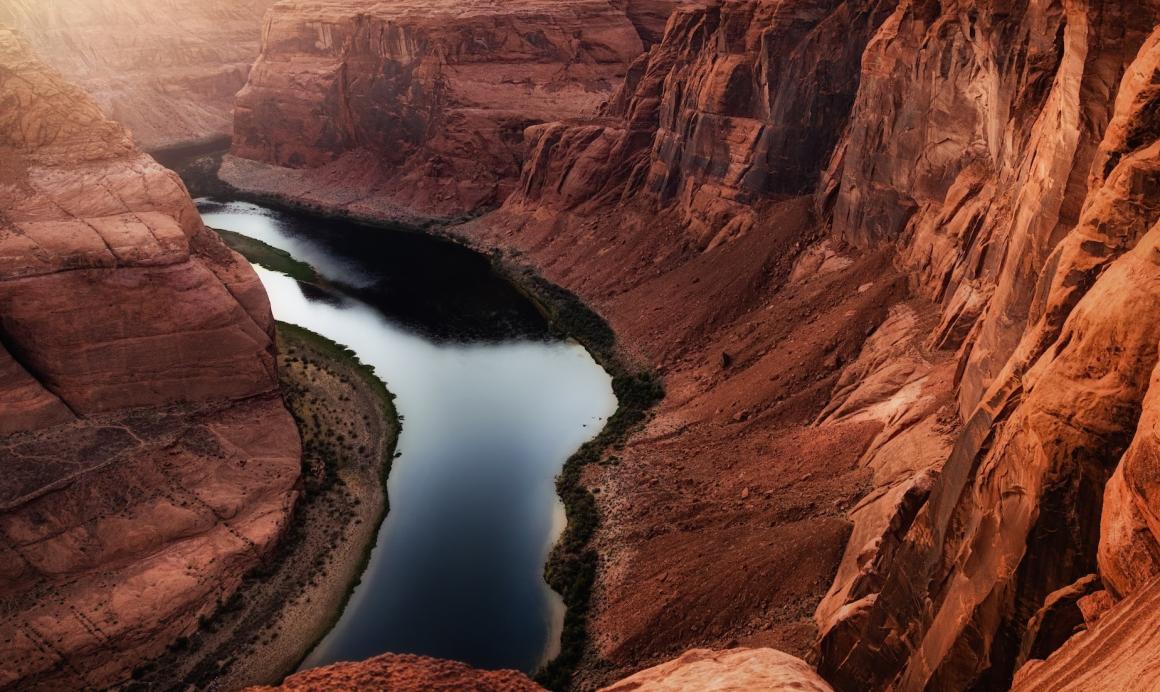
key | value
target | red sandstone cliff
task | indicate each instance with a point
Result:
(147, 459)
(405, 673)
(418, 108)
(168, 71)
(741, 669)
(1000, 161)
(1018, 178)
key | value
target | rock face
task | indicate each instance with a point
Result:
(1004, 157)
(420, 105)
(168, 71)
(405, 673)
(148, 460)
(736, 669)
(1029, 214)
(739, 103)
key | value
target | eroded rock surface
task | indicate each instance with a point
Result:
(405, 673)
(735, 669)
(168, 71)
(1038, 227)
(896, 260)
(1002, 158)
(417, 107)
(147, 459)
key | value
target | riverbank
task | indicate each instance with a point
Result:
(349, 430)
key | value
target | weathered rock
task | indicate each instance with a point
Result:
(975, 154)
(740, 102)
(733, 669)
(168, 71)
(147, 459)
(1118, 653)
(1060, 618)
(650, 16)
(420, 106)
(1016, 512)
(405, 673)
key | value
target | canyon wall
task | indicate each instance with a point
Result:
(417, 108)
(168, 70)
(1015, 167)
(741, 103)
(148, 460)
(1002, 158)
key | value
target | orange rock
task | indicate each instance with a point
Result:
(420, 105)
(404, 673)
(733, 669)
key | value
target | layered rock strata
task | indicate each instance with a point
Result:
(417, 108)
(168, 71)
(148, 460)
(1002, 158)
(895, 259)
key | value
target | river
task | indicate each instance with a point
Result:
(492, 405)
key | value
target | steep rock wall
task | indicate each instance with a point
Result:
(1061, 254)
(742, 102)
(421, 105)
(148, 460)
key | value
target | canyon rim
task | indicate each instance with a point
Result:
(894, 264)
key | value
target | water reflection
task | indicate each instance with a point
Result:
(492, 408)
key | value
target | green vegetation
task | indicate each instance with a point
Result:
(571, 568)
(270, 257)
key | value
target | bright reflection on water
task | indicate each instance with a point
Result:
(489, 420)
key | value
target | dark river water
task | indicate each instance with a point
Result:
(492, 406)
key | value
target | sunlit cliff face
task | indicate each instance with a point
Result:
(168, 70)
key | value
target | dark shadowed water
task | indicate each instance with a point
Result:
(493, 405)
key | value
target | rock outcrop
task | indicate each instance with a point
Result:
(147, 459)
(1004, 157)
(405, 673)
(735, 669)
(417, 108)
(740, 103)
(168, 71)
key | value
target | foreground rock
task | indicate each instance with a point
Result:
(168, 71)
(405, 673)
(735, 669)
(417, 108)
(148, 460)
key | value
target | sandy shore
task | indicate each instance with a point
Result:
(349, 429)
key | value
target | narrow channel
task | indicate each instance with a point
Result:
(492, 406)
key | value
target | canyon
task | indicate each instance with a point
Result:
(896, 261)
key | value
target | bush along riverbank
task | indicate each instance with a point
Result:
(572, 565)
